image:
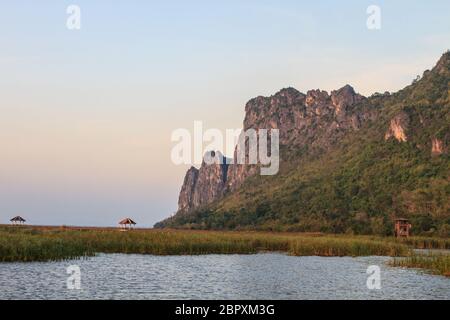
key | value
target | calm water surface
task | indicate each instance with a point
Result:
(261, 276)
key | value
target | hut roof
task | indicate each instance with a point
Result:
(401, 219)
(17, 219)
(127, 221)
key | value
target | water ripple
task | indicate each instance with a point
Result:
(261, 276)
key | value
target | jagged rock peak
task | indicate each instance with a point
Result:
(288, 92)
(345, 90)
(285, 96)
(214, 157)
(345, 97)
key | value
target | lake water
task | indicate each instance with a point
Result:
(260, 276)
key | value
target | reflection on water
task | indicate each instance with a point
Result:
(261, 276)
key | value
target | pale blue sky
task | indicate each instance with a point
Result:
(86, 116)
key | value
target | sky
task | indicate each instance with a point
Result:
(86, 116)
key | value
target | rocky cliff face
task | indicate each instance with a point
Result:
(204, 185)
(306, 118)
(186, 198)
(437, 147)
(398, 127)
(315, 118)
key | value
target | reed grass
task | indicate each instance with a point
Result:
(338, 246)
(31, 244)
(426, 243)
(438, 264)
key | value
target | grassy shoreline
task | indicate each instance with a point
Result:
(27, 244)
(437, 264)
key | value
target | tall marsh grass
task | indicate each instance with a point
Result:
(435, 263)
(426, 243)
(339, 246)
(33, 244)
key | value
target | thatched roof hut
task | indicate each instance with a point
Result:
(18, 220)
(127, 223)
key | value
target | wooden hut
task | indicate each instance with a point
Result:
(18, 220)
(402, 228)
(127, 224)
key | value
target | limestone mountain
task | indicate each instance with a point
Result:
(349, 163)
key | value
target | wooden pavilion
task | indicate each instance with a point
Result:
(18, 220)
(402, 228)
(127, 224)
